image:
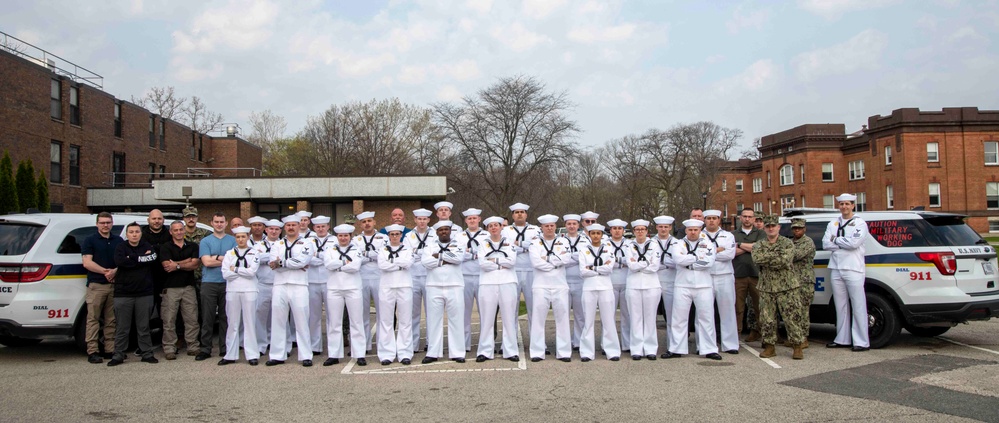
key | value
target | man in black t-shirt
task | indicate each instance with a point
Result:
(178, 259)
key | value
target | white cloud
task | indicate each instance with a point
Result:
(715, 58)
(862, 51)
(761, 75)
(480, 6)
(595, 34)
(449, 93)
(742, 19)
(186, 72)
(237, 25)
(517, 37)
(834, 9)
(540, 9)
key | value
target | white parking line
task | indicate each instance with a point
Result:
(757, 354)
(969, 346)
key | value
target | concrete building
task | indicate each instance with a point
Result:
(945, 161)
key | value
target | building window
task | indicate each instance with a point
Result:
(740, 206)
(758, 207)
(152, 172)
(163, 134)
(786, 202)
(790, 148)
(803, 201)
(162, 171)
(117, 119)
(55, 105)
(934, 194)
(861, 202)
(74, 105)
(992, 195)
(802, 168)
(55, 162)
(768, 179)
(993, 225)
(738, 185)
(118, 170)
(827, 172)
(194, 140)
(828, 201)
(201, 148)
(786, 175)
(992, 153)
(725, 211)
(887, 155)
(890, 193)
(152, 131)
(856, 169)
(932, 152)
(757, 185)
(724, 185)
(74, 165)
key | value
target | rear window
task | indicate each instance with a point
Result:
(953, 231)
(18, 238)
(941, 231)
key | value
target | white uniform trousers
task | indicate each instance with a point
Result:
(704, 300)
(558, 300)
(576, 301)
(644, 304)
(317, 296)
(848, 292)
(471, 294)
(667, 288)
(604, 300)
(419, 302)
(241, 307)
(263, 315)
(395, 303)
(525, 280)
(505, 298)
(336, 300)
(621, 302)
(293, 298)
(369, 293)
(724, 291)
(441, 300)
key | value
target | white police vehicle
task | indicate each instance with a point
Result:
(43, 283)
(926, 272)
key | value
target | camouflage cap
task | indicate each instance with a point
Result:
(190, 211)
(797, 222)
(771, 220)
(760, 216)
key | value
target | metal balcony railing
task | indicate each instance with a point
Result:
(58, 65)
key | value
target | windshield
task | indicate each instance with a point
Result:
(18, 238)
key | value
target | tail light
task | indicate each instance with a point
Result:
(945, 262)
(25, 272)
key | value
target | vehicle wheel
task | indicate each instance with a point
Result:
(883, 320)
(80, 330)
(927, 332)
(14, 342)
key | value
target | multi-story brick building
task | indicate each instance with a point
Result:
(945, 161)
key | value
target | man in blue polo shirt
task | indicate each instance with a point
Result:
(98, 259)
(212, 250)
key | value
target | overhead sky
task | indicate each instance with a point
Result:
(761, 66)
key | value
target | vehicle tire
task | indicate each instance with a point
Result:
(885, 323)
(927, 332)
(80, 330)
(14, 342)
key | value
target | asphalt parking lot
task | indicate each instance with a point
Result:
(954, 377)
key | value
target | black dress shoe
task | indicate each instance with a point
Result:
(94, 358)
(859, 349)
(626, 351)
(731, 351)
(253, 362)
(428, 360)
(481, 358)
(202, 356)
(615, 359)
(565, 359)
(458, 359)
(514, 358)
(386, 362)
(576, 348)
(835, 345)
(406, 361)
(150, 360)
(115, 362)
(547, 352)
(107, 356)
(636, 357)
(536, 359)
(651, 357)
(585, 359)
(331, 361)
(273, 362)
(362, 362)
(307, 363)
(714, 356)
(223, 362)
(668, 354)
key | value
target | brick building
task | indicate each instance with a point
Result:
(945, 161)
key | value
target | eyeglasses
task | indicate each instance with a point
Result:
(104, 223)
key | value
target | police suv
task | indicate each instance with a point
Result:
(43, 283)
(926, 272)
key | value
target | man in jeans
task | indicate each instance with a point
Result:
(212, 249)
(98, 259)
(746, 272)
(179, 258)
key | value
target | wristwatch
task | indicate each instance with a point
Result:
(178, 266)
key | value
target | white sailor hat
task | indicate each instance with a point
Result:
(321, 220)
(639, 222)
(394, 228)
(715, 213)
(590, 215)
(471, 212)
(422, 213)
(569, 217)
(343, 229)
(256, 219)
(365, 215)
(443, 204)
(241, 230)
(595, 227)
(520, 206)
(663, 220)
(693, 223)
(443, 223)
(547, 218)
(291, 218)
(274, 223)
(846, 197)
(618, 223)
(491, 220)
(304, 213)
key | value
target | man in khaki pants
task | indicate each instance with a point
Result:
(98, 259)
(179, 259)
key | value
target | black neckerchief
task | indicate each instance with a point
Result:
(713, 240)
(520, 234)
(687, 243)
(343, 254)
(267, 245)
(665, 248)
(548, 251)
(422, 242)
(287, 249)
(572, 245)
(444, 247)
(597, 259)
(473, 243)
(368, 245)
(322, 246)
(240, 258)
(841, 231)
(618, 249)
(394, 254)
(493, 248)
(641, 254)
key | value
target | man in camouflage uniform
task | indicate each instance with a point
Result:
(804, 269)
(780, 289)
(194, 234)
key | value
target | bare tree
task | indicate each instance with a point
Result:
(753, 152)
(266, 127)
(199, 118)
(12, 45)
(509, 136)
(162, 101)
